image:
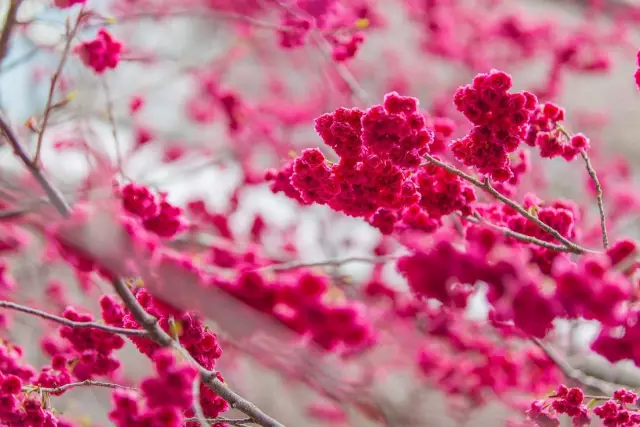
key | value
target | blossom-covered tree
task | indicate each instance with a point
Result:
(295, 149)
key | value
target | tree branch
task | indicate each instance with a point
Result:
(84, 383)
(486, 186)
(73, 324)
(570, 372)
(334, 262)
(7, 30)
(71, 33)
(518, 236)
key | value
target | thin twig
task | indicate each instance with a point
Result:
(8, 27)
(112, 123)
(84, 383)
(486, 186)
(334, 262)
(343, 72)
(518, 236)
(569, 371)
(599, 197)
(71, 323)
(52, 193)
(231, 421)
(596, 182)
(197, 408)
(71, 33)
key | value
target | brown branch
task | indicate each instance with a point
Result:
(150, 323)
(84, 383)
(486, 186)
(596, 182)
(518, 236)
(71, 323)
(8, 27)
(70, 34)
(56, 198)
(334, 262)
(197, 408)
(599, 197)
(234, 422)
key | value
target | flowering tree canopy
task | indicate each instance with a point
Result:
(314, 153)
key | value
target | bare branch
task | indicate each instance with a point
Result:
(518, 236)
(334, 262)
(71, 323)
(85, 383)
(7, 30)
(71, 33)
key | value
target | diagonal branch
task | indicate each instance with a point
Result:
(144, 319)
(486, 186)
(576, 375)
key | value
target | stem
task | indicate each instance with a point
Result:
(486, 186)
(234, 422)
(54, 81)
(603, 219)
(7, 29)
(56, 198)
(518, 236)
(71, 323)
(197, 408)
(334, 262)
(84, 383)
(594, 177)
(112, 122)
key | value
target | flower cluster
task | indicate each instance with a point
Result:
(89, 351)
(500, 119)
(344, 49)
(167, 396)
(302, 305)
(591, 289)
(294, 30)
(564, 401)
(464, 360)
(16, 407)
(447, 274)
(545, 134)
(613, 412)
(63, 4)
(377, 176)
(157, 215)
(561, 215)
(193, 335)
(101, 53)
